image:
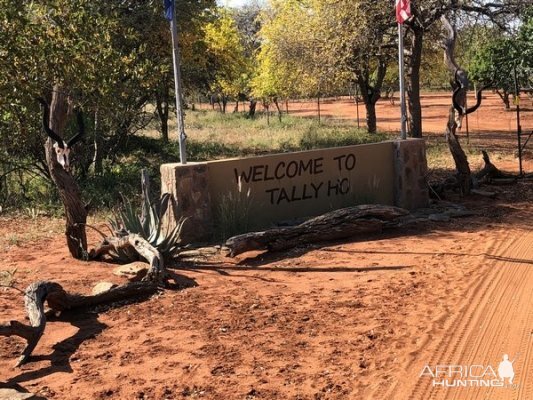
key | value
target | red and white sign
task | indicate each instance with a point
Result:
(403, 10)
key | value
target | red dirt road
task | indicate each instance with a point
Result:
(495, 318)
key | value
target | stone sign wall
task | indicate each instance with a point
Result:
(273, 188)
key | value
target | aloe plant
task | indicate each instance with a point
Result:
(149, 225)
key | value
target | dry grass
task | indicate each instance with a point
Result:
(214, 135)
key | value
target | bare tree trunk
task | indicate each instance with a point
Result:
(251, 111)
(224, 103)
(371, 94)
(461, 162)
(460, 77)
(504, 95)
(371, 118)
(162, 105)
(413, 84)
(318, 106)
(75, 212)
(276, 103)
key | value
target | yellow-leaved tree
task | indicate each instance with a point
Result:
(294, 59)
(227, 59)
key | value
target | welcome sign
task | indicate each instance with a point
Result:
(274, 188)
(286, 186)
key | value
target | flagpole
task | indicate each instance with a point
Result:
(403, 120)
(177, 85)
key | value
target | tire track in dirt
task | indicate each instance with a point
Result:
(431, 347)
(505, 328)
(497, 320)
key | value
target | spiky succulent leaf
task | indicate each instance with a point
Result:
(148, 224)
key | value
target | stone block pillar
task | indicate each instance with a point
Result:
(189, 186)
(410, 166)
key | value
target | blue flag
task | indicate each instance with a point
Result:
(169, 9)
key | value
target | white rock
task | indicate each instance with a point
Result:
(101, 287)
(134, 271)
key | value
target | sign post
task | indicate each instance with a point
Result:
(403, 12)
(170, 15)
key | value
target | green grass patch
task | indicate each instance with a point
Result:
(214, 135)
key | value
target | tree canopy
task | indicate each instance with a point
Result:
(113, 59)
(495, 56)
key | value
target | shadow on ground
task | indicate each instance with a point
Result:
(88, 328)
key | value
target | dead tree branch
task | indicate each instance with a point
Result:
(490, 173)
(59, 300)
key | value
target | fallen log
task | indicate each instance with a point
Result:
(334, 225)
(37, 293)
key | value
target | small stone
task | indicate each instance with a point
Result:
(101, 287)
(12, 394)
(134, 271)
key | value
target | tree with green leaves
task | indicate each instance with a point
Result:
(285, 59)
(363, 39)
(494, 62)
(315, 47)
(59, 51)
(226, 57)
(91, 55)
(497, 55)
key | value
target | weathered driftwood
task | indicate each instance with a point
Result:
(334, 225)
(491, 174)
(34, 298)
(461, 162)
(135, 242)
(59, 300)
